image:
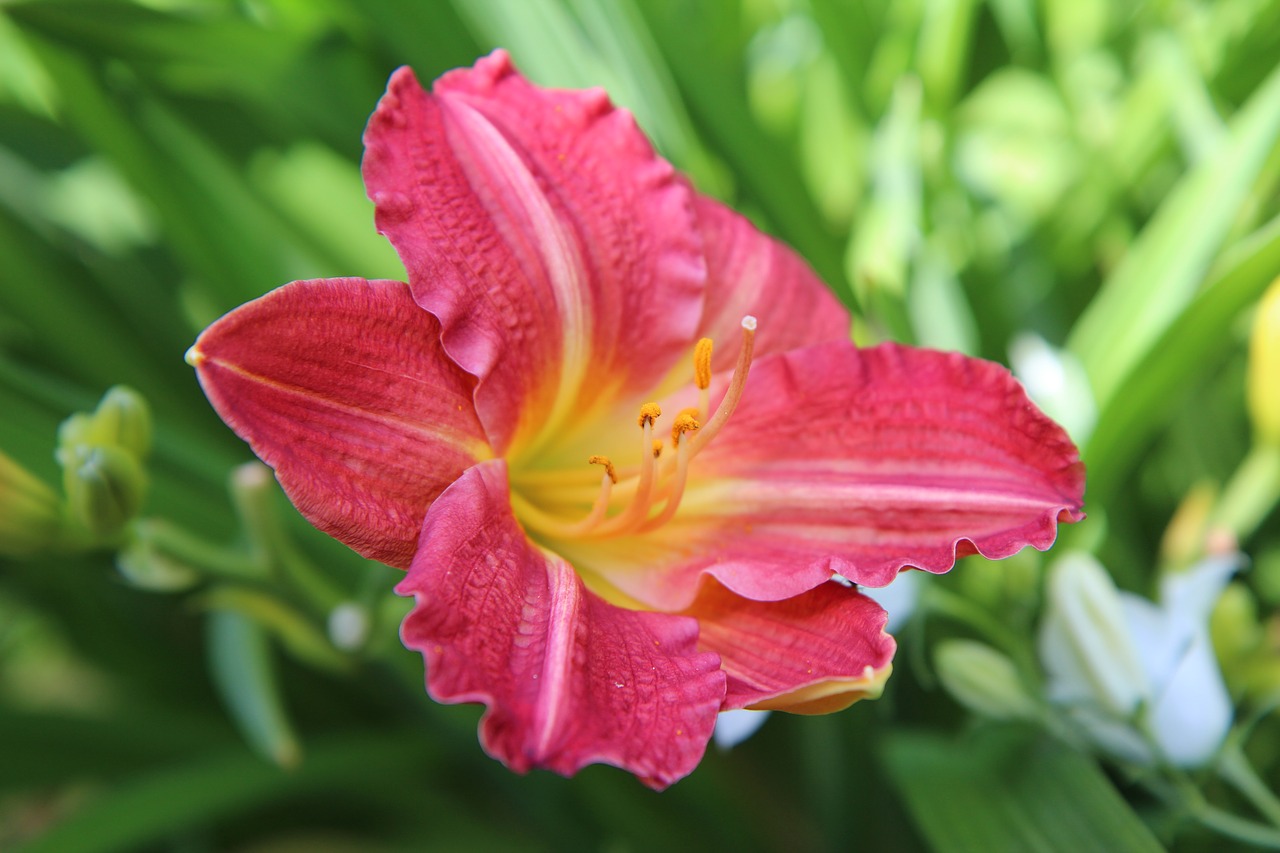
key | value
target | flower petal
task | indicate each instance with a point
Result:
(858, 463)
(558, 250)
(568, 679)
(1085, 642)
(1191, 713)
(751, 273)
(815, 653)
(341, 386)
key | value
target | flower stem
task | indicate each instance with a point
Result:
(1252, 491)
(199, 554)
(1237, 827)
(1182, 791)
(1236, 770)
(253, 492)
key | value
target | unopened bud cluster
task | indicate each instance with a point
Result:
(102, 454)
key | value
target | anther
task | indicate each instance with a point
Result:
(649, 413)
(608, 466)
(686, 421)
(702, 363)
(657, 448)
(702, 373)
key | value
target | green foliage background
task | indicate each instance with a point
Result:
(1101, 173)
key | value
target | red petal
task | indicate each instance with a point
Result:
(341, 386)
(858, 462)
(559, 252)
(817, 652)
(568, 679)
(751, 273)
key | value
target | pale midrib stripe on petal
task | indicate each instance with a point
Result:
(563, 266)
(739, 497)
(466, 443)
(562, 622)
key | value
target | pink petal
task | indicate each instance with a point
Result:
(341, 386)
(857, 462)
(559, 252)
(569, 679)
(817, 652)
(751, 273)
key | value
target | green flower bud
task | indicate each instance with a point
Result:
(30, 516)
(983, 680)
(105, 487)
(122, 420)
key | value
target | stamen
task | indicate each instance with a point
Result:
(733, 393)
(649, 413)
(686, 421)
(657, 448)
(609, 470)
(537, 519)
(683, 455)
(639, 506)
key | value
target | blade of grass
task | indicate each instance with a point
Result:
(703, 46)
(1191, 343)
(1163, 270)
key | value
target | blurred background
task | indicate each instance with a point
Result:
(1082, 189)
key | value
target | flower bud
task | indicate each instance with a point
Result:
(348, 626)
(29, 512)
(1084, 642)
(105, 487)
(1263, 383)
(983, 680)
(122, 420)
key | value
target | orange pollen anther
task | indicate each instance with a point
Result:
(686, 421)
(657, 448)
(702, 363)
(608, 466)
(649, 413)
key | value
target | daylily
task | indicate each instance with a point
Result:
(565, 287)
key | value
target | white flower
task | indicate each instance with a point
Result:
(733, 727)
(1124, 665)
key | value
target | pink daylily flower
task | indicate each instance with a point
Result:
(566, 287)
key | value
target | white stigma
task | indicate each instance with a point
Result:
(749, 323)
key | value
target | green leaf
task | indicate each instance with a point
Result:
(1010, 788)
(704, 45)
(243, 671)
(152, 807)
(45, 749)
(1143, 401)
(1161, 273)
